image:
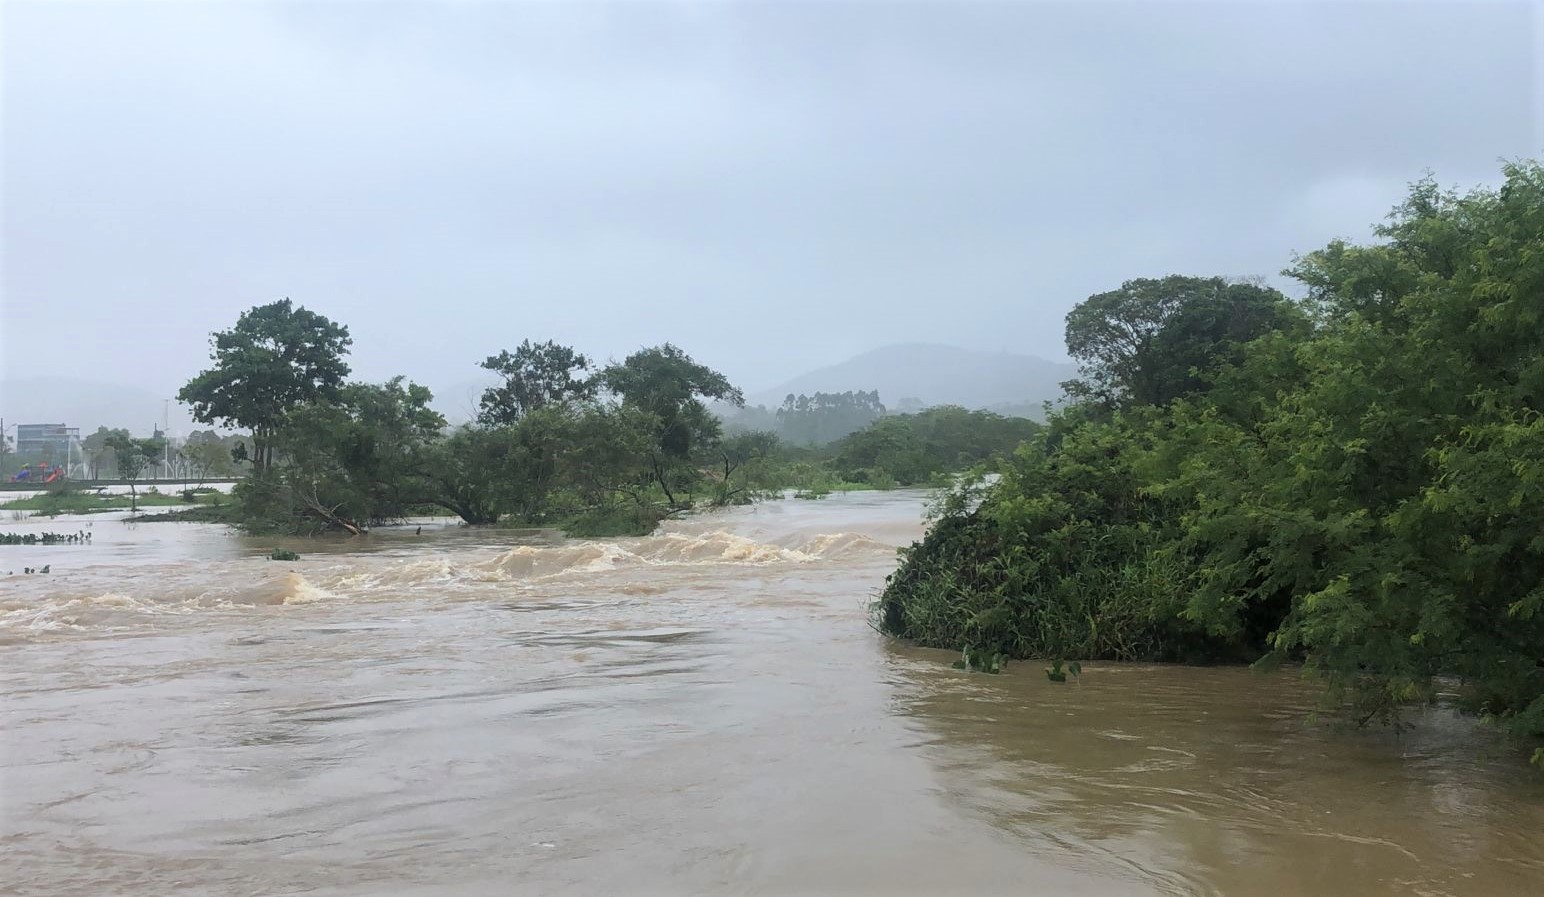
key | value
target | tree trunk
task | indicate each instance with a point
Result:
(261, 452)
(659, 477)
(314, 504)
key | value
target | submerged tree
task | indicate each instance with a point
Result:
(1361, 494)
(467, 471)
(666, 383)
(132, 456)
(738, 459)
(356, 461)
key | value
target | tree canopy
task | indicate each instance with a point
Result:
(665, 382)
(536, 375)
(609, 453)
(278, 357)
(1154, 340)
(1354, 483)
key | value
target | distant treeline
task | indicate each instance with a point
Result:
(1354, 480)
(824, 417)
(815, 420)
(561, 441)
(204, 455)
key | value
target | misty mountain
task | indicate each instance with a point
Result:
(89, 404)
(932, 374)
(935, 375)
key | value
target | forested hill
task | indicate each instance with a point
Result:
(935, 375)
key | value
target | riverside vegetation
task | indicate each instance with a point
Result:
(1353, 481)
(1350, 480)
(67, 498)
(560, 441)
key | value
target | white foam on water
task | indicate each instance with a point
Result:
(136, 597)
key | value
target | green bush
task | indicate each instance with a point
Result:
(623, 520)
(1353, 481)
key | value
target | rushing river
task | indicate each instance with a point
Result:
(704, 711)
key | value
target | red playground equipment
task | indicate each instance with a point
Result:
(39, 473)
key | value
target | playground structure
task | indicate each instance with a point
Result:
(39, 473)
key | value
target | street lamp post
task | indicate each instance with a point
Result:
(166, 436)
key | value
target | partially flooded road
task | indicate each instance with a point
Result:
(704, 711)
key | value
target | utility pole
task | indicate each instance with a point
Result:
(166, 436)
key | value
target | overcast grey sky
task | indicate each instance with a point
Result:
(772, 186)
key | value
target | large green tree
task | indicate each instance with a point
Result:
(356, 461)
(468, 473)
(1154, 340)
(536, 376)
(609, 467)
(276, 359)
(668, 384)
(486, 472)
(1359, 490)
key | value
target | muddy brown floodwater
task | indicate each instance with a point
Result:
(704, 711)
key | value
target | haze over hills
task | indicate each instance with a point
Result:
(935, 375)
(930, 373)
(89, 404)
